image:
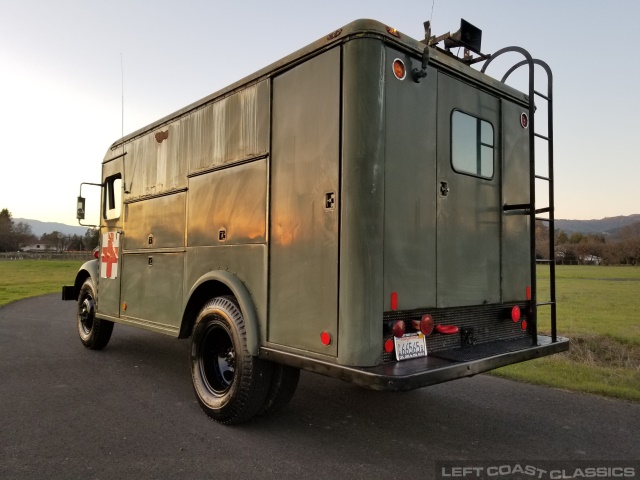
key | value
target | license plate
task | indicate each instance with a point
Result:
(411, 345)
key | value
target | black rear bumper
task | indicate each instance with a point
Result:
(429, 370)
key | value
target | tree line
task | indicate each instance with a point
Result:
(16, 236)
(619, 248)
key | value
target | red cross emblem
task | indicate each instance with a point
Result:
(109, 255)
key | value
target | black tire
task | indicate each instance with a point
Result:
(284, 382)
(230, 384)
(94, 333)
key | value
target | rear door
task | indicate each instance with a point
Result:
(468, 205)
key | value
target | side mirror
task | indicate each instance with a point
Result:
(80, 208)
(94, 200)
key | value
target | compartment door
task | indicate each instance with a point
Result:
(468, 188)
(304, 205)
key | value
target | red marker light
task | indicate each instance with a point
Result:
(528, 291)
(398, 329)
(388, 345)
(394, 300)
(325, 338)
(523, 325)
(515, 313)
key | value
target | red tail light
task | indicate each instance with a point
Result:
(515, 313)
(96, 252)
(426, 324)
(388, 345)
(398, 329)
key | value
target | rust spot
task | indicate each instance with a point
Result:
(162, 136)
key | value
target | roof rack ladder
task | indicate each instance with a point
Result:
(530, 209)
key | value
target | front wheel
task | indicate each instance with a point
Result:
(94, 333)
(230, 384)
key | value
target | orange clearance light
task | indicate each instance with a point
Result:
(393, 32)
(394, 300)
(325, 338)
(399, 69)
(124, 305)
(515, 313)
(398, 329)
(388, 345)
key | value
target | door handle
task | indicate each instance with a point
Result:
(444, 189)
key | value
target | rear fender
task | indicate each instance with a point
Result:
(230, 284)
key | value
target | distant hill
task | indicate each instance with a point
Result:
(608, 225)
(38, 228)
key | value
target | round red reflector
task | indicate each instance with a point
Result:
(325, 338)
(399, 69)
(398, 329)
(447, 329)
(515, 313)
(524, 120)
(388, 345)
(426, 324)
(523, 325)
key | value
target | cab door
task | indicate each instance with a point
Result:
(111, 229)
(468, 189)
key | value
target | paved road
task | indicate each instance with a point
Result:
(129, 412)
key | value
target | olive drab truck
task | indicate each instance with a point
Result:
(363, 208)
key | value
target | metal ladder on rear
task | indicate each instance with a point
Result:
(530, 209)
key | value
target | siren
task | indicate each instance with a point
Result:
(469, 36)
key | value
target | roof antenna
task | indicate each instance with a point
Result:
(122, 90)
(422, 73)
(126, 190)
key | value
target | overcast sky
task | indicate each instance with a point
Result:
(61, 80)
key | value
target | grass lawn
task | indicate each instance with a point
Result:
(599, 310)
(29, 278)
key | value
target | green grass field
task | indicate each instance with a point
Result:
(28, 278)
(598, 309)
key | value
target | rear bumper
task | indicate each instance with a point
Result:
(421, 372)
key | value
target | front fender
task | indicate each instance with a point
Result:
(244, 299)
(88, 269)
